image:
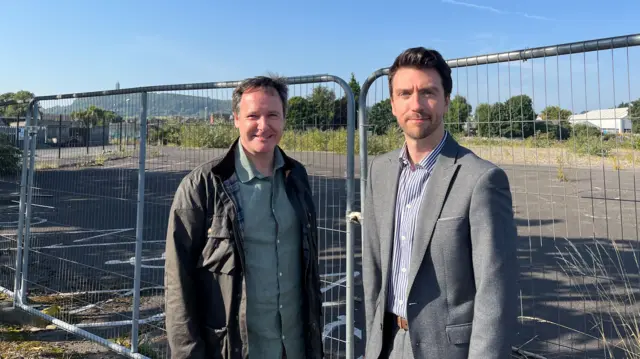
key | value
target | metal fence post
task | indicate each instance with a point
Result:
(60, 137)
(33, 137)
(349, 208)
(362, 128)
(139, 224)
(17, 297)
(18, 128)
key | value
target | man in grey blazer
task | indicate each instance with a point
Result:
(439, 238)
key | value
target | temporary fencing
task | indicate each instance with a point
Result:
(563, 121)
(11, 156)
(82, 234)
(93, 214)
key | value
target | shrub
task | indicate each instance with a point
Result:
(584, 140)
(585, 130)
(10, 157)
(541, 139)
(203, 135)
(589, 145)
(168, 134)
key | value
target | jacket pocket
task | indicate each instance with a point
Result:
(459, 333)
(216, 341)
(218, 255)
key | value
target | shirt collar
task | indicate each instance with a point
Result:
(245, 169)
(429, 161)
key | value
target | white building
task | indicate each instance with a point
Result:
(614, 120)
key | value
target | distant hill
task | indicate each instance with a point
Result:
(159, 104)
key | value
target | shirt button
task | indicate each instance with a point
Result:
(400, 301)
(281, 274)
(404, 270)
(404, 238)
(280, 306)
(408, 206)
(283, 337)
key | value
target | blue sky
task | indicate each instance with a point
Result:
(71, 46)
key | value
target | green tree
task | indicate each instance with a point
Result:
(381, 117)
(562, 129)
(481, 117)
(521, 117)
(634, 115)
(322, 103)
(458, 114)
(340, 112)
(513, 118)
(19, 109)
(95, 116)
(298, 112)
(355, 88)
(555, 113)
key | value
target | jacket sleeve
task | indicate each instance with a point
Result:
(314, 222)
(493, 241)
(371, 265)
(317, 346)
(185, 233)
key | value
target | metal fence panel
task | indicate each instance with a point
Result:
(573, 178)
(98, 218)
(12, 145)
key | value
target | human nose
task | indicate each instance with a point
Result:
(262, 123)
(415, 102)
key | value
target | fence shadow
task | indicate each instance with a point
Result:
(83, 244)
(83, 240)
(575, 292)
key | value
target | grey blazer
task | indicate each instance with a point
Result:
(462, 300)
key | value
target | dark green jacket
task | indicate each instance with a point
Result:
(204, 267)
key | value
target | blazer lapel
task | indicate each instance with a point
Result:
(434, 198)
(388, 196)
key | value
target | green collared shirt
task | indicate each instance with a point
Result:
(272, 242)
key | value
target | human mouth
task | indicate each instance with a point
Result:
(420, 119)
(263, 137)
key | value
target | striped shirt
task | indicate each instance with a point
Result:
(411, 186)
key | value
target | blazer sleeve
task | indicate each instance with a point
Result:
(185, 234)
(371, 264)
(493, 241)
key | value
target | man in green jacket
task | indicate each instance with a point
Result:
(241, 270)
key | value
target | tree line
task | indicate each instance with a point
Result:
(513, 118)
(321, 109)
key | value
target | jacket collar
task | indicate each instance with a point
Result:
(225, 168)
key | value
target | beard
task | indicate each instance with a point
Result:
(419, 131)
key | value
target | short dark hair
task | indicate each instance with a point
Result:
(422, 58)
(271, 82)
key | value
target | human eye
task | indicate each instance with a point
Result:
(427, 92)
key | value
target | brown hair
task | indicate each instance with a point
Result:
(422, 58)
(271, 82)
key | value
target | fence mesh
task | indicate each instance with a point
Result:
(11, 150)
(83, 218)
(82, 248)
(565, 128)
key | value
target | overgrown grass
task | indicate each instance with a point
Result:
(577, 151)
(605, 272)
